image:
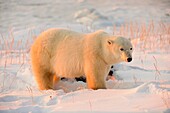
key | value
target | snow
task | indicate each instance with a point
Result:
(140, 86)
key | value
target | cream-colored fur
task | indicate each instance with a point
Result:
(63, 53)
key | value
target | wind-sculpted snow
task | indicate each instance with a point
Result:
(27, 14)
(92, 17)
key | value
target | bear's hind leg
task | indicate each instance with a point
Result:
(55, 80)
(46, 80)
(43, 80)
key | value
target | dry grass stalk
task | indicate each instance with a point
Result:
(31, 94)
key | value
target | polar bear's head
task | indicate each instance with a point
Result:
(121, 49)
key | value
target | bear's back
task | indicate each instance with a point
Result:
(66, 47)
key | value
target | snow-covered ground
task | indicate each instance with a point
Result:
(140, 86)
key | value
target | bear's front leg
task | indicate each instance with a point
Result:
(95, 83)
(96, 77)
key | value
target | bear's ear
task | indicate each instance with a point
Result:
(110, 42)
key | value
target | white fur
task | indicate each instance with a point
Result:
(64, 53)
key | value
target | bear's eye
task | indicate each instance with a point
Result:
(121, 49)
(130, 48)
(109, 42)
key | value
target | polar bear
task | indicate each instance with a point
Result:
(63, 53)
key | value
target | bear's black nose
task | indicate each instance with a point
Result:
(129, 59)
